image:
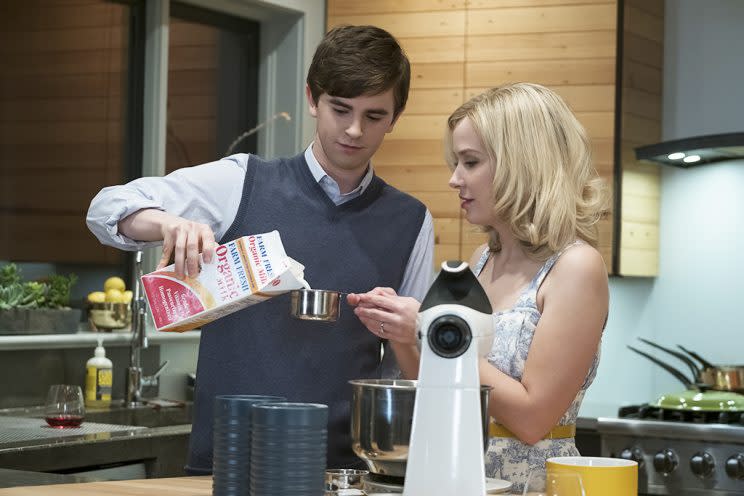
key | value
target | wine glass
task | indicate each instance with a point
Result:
(541, 483)
(64, 406)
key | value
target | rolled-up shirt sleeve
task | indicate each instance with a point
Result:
(416, 281)
(208, 193)
(420, 268)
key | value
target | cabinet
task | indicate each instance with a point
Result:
(604, 57)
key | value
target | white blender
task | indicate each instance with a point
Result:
(445, 455)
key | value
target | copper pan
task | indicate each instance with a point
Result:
(720, 377)
(704, 373)
(696, 397)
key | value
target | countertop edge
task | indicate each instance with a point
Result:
(589, 423)
(112, 437)
(16, 478)
(85, 339)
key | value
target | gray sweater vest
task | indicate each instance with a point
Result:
(353, 247)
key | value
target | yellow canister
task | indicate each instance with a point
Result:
(599, 476)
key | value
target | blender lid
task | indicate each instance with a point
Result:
(456, 284)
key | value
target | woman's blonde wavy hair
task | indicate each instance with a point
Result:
(544, 186)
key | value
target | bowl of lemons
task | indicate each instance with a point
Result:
(111, 308)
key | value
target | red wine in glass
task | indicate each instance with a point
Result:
(64, 406)
(64, 421)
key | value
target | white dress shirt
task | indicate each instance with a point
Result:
(211, 194)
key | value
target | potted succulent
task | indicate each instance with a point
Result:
(36, 307)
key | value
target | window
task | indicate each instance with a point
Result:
(212, 85)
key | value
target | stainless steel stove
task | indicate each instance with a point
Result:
(679, 453)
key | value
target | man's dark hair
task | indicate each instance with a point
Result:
(359, 60)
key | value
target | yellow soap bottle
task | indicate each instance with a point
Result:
(98, 378)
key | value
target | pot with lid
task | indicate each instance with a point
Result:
(698, 396)
(702, 401)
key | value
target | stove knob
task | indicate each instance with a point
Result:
(665, 461)
(634, 454)
(702, 464)
(735, 466)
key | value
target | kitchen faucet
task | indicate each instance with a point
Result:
(135, 380)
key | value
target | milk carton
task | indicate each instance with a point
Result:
(242, 272)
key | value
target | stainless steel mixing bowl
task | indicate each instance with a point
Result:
(381, 418)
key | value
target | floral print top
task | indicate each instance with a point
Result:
(510, 458)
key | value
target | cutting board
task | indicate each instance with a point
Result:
(176, 486)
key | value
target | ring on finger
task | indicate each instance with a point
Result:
(382, 327)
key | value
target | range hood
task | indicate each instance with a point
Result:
(694, 151)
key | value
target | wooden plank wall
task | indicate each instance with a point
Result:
(60, 124)
(412, 158)
(458, 48)
(643, 54)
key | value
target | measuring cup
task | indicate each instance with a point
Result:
(315, 304)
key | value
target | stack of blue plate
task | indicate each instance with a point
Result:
(232, 443)
(288, 447)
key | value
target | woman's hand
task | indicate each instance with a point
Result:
(387, 315)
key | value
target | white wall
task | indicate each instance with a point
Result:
(696, 298)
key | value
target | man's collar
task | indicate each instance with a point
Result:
(319, 173)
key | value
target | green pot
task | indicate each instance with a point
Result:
(707, 401)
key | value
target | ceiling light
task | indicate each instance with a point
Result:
(676, 156)
(692, 158)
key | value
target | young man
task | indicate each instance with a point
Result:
(349, 228)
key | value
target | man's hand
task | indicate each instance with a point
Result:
(183, 241)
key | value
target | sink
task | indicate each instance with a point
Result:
(142, 416)
(157, 447)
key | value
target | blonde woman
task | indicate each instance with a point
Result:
(521, 163)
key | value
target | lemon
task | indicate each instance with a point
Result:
(97, 297)
(114, 283)
(114, 295)
(127, 296)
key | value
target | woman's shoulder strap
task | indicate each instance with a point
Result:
(481, 262)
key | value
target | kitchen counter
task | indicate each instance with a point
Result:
(589, 423)
(15, 478)
(152, 442)
(177, 486)
(160, 448)
(152, 452)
